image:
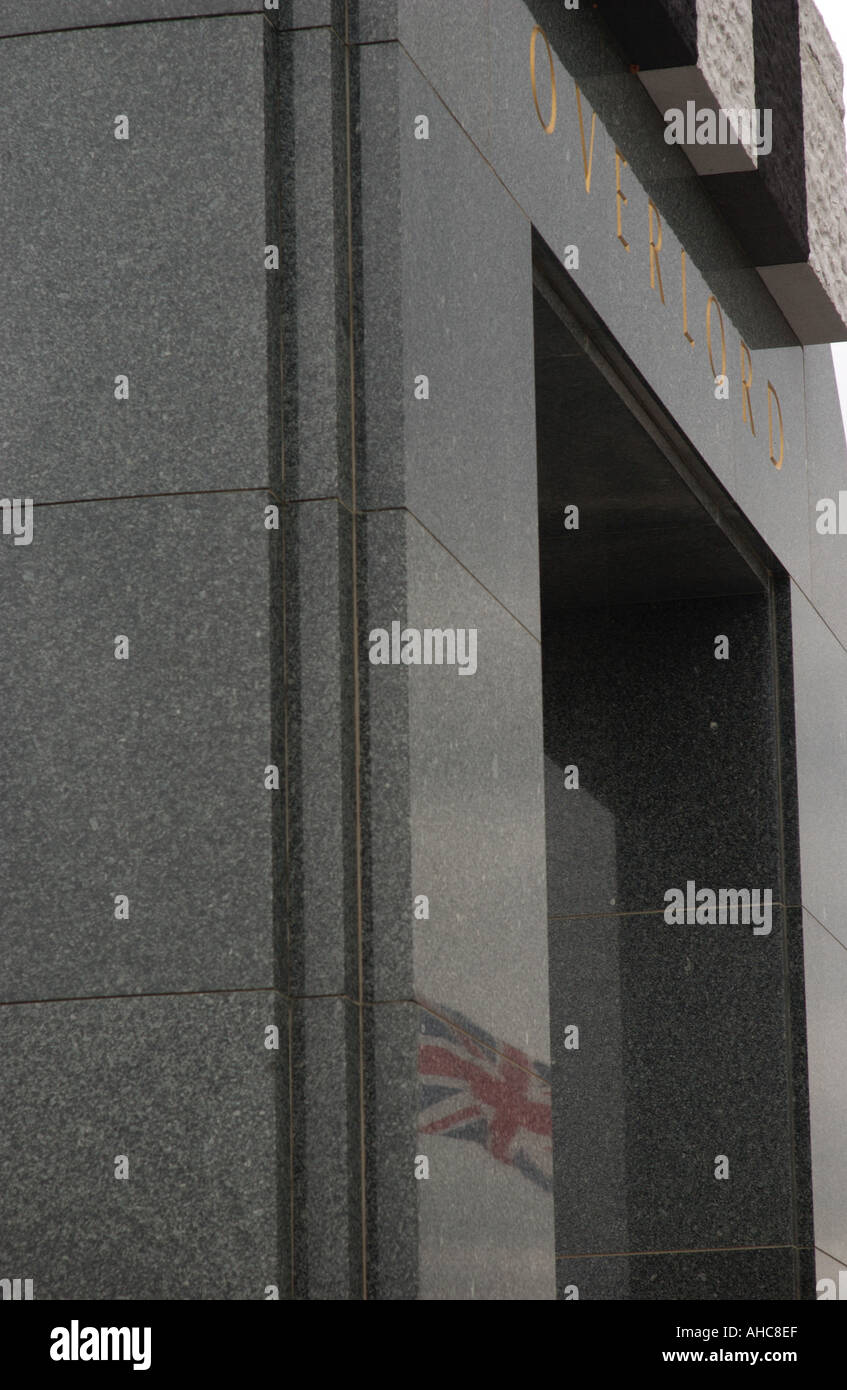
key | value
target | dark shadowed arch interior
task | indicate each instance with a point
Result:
(664, 765)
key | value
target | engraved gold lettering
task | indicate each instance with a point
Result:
(711, 300)
(655, 248)
(777, 462)
(550, 125)
(620, 197)
(746, 383)
(685, 301)
(587, 159)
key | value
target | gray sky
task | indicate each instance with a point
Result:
(835, 16)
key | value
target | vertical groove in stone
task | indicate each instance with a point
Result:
(794, 973)
(355, 659)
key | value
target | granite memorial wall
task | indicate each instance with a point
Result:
(425, 662)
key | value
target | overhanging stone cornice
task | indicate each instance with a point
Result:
(788, 204)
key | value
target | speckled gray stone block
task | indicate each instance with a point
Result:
(683, 1056)
(142, 777)
(320, 742)
(392, 1106)
(312, 158)
(684, 1276)
(826, 986)
(589, 1084)
(670, 789)
(827, 478)
(306, 14)
(326, 1150)
(448, 42)
(444, 292)
(38, 16)
(453, 790)
(820, 683)
(187, 1091)
(141, 257)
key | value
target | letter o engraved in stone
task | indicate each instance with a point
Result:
(550, 125)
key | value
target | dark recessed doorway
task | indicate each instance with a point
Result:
(665, 763)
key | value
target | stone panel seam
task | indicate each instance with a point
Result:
(151, 496)
(823, 927)
(424, 1008)
(477, 1040)
(152, 994)
(696, 1250)
(372, 511)
(839, 1259)
(154, 19)
(798, 1133)
(641, 912)
(383, 43)
(357, 732)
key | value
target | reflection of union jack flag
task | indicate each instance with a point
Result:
(485, 1092)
